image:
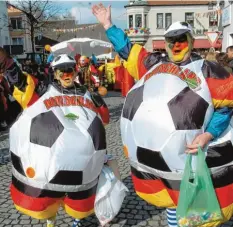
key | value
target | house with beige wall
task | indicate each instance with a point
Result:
(18, 30)
(147, 21)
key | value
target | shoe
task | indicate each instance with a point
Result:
(76, 223)
(51, 222)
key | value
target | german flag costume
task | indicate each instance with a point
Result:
(57, 147)
(166, 109)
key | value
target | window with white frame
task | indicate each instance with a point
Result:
(189, 18)
(17, 23)
(159, 20)
(168, 19)
(145, 20)
(130, 21)
(17, 41)
(213, 20)
(138, 20)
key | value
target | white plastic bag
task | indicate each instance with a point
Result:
(109, 196)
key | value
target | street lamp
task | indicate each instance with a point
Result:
(79, 14)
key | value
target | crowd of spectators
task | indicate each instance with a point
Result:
(10, 109)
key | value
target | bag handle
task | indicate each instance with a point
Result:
(108, 173)
(188, 168)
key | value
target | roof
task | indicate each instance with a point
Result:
(168, 2)
(177, 2)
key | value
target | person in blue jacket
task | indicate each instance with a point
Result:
(178, 36)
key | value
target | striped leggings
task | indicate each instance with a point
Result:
(171, 217)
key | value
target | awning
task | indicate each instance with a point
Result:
(158, 44)
(198, 44)
(205, 44)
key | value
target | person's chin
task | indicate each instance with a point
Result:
(180, 58)
(177, 58)
(67, 84)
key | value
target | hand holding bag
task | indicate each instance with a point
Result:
(197, 203)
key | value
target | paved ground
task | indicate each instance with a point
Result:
(134, 212)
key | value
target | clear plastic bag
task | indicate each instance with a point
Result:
(197, 203)
(109, 196)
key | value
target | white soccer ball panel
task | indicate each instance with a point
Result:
(173, 151)
(127, 138)
(152, 124)
(94, 166)
(19, 134)
(40, 159)
(161, 88)
(71, 151)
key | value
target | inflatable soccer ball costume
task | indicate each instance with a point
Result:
(164, 112)
(156, 124)
(57, 145)
(175, 100)
(56, 153)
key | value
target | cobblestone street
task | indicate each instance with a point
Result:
(134, 212)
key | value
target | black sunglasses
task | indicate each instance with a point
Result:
(66, 70)
(181, 38)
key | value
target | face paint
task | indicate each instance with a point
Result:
(170, 45)
(179, 48)
(66, 78)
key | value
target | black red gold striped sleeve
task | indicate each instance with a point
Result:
(220, 83)
(137, 59)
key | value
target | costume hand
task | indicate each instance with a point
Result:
(201, 140)
(103, 15)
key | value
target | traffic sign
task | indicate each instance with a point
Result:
(213, 37)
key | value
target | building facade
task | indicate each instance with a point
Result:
(147, 21)
(227, 23)
(4, 28)
(18, 30)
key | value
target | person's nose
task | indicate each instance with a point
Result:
(177, 44)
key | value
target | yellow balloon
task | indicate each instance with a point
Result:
(47, 48)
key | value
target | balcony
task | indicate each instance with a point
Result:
(138, 35)
(132, 32)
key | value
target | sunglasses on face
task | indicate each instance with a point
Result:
(66, 70)
(180, 39)
(60, 73)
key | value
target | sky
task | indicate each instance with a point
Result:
(81, 10)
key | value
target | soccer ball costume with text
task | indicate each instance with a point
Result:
(57, 145)
(171, 104)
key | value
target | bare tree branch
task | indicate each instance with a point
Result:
(37, 13)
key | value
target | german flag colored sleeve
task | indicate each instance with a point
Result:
(220, 83)
(27, 88)
(138, 60)
(26, 95)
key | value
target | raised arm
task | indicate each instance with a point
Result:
(138, 60)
